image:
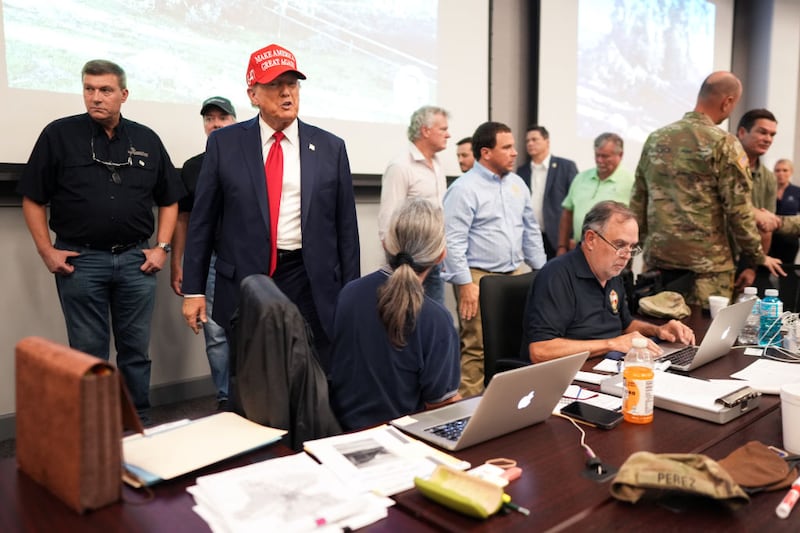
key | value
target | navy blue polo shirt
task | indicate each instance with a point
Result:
(568, 302)
(370, 380)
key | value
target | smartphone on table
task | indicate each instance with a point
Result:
(591, 414)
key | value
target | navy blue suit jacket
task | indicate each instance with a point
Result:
(559, 178)
(232, 192)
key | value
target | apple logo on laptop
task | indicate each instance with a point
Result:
(525, 401)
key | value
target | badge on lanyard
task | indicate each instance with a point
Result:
(613, 299)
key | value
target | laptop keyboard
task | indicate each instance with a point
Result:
(450, 430)
(681, 357)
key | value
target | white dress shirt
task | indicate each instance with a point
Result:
(538, 185)
(290, 235)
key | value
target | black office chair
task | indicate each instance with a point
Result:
(275, 377)
(789, 288)
(502, 301)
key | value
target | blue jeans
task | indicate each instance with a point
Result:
(216, 341)
(433, 284)
(104, 283)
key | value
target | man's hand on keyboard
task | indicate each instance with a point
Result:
(675, 331)
(624, 342)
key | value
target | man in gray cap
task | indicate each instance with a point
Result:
(217, 113)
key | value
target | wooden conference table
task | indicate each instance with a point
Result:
(551, 486)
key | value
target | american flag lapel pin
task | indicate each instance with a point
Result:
(311, 147)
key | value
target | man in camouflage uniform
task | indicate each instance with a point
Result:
(691, 196)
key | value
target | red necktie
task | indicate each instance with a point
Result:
(274, 171)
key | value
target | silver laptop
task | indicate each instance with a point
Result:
(718, 340)
(513, 400)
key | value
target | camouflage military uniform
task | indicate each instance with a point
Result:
(765, 188)
(692, 198)
(790, 226)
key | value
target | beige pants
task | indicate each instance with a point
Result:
(471, 332)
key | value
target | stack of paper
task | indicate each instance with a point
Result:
(288, 494)
(381, 459)
(768, 376)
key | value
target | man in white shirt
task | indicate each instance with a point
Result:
(417, 173)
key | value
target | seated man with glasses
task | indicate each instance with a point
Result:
(577, 301)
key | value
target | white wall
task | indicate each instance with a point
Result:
(782, 82)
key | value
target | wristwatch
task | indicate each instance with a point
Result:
(164, 246)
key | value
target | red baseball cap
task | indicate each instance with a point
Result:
(269, 63)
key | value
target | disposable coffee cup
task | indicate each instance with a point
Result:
(715, 303)
(790, 417)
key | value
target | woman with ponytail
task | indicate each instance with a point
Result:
(395, 351)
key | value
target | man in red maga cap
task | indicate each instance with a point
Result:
(282, 194)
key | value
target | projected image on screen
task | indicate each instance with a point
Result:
(366, 61)
(655, 53)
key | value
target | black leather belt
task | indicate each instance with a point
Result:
(114, 248)
(290, 255)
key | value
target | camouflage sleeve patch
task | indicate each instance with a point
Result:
(742, 160)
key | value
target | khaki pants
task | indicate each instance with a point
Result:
(471, 333)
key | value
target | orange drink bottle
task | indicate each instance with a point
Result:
(637, 399)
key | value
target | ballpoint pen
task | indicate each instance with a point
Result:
(513, 506)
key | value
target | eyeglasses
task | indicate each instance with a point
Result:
(111, 166)
(622, 251)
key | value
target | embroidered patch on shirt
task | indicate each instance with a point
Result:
(743, 162)
(613, 299)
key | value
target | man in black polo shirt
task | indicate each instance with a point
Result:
(578, 299)
(102, 174)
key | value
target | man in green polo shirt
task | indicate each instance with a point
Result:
(607, 181)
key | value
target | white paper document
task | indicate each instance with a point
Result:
(767, 376)
(287, 494)
(590, 377)
(608, 365)
(614, 367)
(381, 459)
(598, 399)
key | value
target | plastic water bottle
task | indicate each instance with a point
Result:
(750, 330)
(769, 334)
(637, 400)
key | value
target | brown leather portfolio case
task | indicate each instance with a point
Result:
(69, 425)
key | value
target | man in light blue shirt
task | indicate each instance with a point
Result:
(490, 230)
